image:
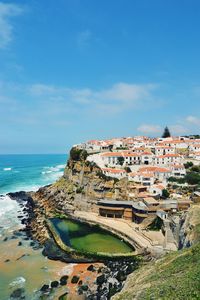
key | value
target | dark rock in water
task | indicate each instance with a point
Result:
(20, 243)
(80, 291)
(18, 294)
(84, 287)
(35, 245)
(80, 282)
(45, 288)
(63, 297)
(100, 279)
(121, 276)
(5, 239)
(129, 269)
(13, 237)
(18, 233)
(22, 197)
(63, 280)
(32, 244)
(7, 260)
(54, 284)
(52, 251)
(91, 268)
(75, 279)
(23, 221)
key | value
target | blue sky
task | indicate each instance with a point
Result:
(73, 70)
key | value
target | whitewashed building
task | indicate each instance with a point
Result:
(178, 170)
(168, 159)
(116, 173)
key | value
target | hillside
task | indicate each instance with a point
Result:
(175, 276)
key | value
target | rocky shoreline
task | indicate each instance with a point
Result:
(109, 278)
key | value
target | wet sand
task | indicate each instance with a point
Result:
(23, 267)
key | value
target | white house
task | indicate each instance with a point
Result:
(111, 159)
(194, 147)
(178, 170)
(146, 158)
(156, 189)
(168, 159)
(162, 150)
(132, 158)
(124, 158)
(144, 178)
(160, 173)
(116, 173)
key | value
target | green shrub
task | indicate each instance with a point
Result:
(127, 169)
(78, 154)
(80, 189)
(165, 194)
(192, 178)
(178, 180)
(188, 164)
(195, 169)
(120, 160)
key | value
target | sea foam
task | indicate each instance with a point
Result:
(8, 213)
(7, 169)
(19, 281)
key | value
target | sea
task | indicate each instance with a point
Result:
(29, 172)
(22, 268)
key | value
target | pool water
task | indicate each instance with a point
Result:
(83, 237)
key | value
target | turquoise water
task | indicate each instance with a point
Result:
(29, 172)
(24, 172)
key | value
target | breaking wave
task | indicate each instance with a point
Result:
(7, 169)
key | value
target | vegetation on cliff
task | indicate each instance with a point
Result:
(175, 276)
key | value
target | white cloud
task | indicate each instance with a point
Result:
(119, 97)
(193, 120)
(150, 129)
(126, 92)
(7, 11)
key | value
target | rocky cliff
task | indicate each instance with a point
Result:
(80, 188)
(176, 275)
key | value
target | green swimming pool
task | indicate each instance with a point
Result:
(83, 237)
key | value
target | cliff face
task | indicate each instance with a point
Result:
(175, 276)
(81, 186)
(190, 227)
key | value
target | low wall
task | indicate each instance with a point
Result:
(99, 255)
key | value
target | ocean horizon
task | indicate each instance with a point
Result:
(28, 172)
